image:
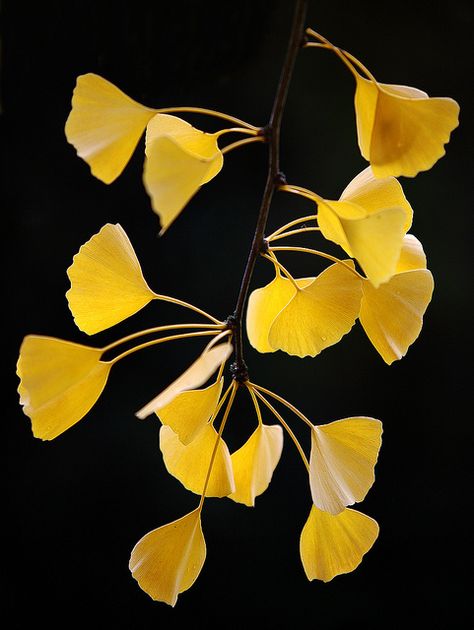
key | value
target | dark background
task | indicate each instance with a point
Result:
(77, 505)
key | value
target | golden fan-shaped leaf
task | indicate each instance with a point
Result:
(190, 463)
(189, 412)
(342, 461)
(105, 125)
(59, 383)
(253, 464)
(107, 284)
(373, 238)
(332, 545)
(319, 314)
(392, 315)
(173, 173)
(265, 304)
(401, 130)
(167, 560)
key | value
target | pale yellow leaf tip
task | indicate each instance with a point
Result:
(60, 381)
(107, 284)
(333, 545)
(168, 560)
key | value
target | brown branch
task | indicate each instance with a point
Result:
(274, 179)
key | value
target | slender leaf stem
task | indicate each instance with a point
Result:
(207, 112)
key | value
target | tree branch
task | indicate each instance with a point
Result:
(274, 179)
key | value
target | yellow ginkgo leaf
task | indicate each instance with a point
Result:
(392, 315)
(332, 545)
(377, 193)
(59, 383)
(190, 463)
(107, 284)
(412, 255)
(173, 174)
(189, 412)
(319, 314)
(264, 305)
(195, 376)
(253, 464)
(167, 560)
(192, 140)
(342, 461)
(401, 130)
(105, 125)
(373, 238)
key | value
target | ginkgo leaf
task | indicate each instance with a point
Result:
(253, 464)
(342, 461)
(105, 125)
(192, 140)
(392, 315)
(319, 314)
(172, 175)
(401, 130)
(167, 560)
(107, 284)
(189, 412)
(59, 383)
(412, 255)
(195, 376)
(332, 545)
(265, 304)
(190, 463)
(377, 193)
(373, 238)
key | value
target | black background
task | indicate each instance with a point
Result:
(77, 505)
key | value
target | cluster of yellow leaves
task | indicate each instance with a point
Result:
(105, 126)
(401, 131)
(303, 316)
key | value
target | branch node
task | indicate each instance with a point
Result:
(280, 179)
(239, 372)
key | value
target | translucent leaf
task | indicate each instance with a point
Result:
(190, 139)
(412, 255)
(264, 305)
(105, 125)
(319, 314)
(167, 560)
(373, 238)
(195, 376)
(392, 315)
(377, 193)
(190, 463)
(189, 412)
(401, 130)
(342, 461)
(107, 284)
(59, 383)
(332, 545)
(173, 174)
(253, 464)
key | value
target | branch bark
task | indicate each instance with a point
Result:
(274, 179)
